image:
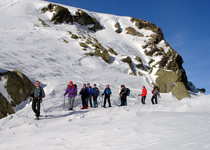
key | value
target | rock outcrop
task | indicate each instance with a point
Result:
(180, 91)
(5, 107)
(63, 15)
(18, 87)
(169, 81)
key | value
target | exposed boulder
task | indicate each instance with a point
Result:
(18, 86)
(169, 81)
(74, 36)
(5, 107)
(111, 50)
(130, 63)
(180, 91)
(85, 46)
(142, 24)
(166, 80)
(118, 28)
(60, 15)
(103, 54)
(43, 23)
(65, 41)
(63, 15)
(84, 19)
(133, 32)
(89, 54)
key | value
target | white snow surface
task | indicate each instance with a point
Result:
(40, 53)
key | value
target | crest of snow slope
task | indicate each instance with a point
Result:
(41, 54)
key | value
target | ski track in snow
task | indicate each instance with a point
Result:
(41, 54)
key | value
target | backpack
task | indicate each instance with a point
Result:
(128, 92)
(75, 88)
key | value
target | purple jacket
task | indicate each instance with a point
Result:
(71, 91)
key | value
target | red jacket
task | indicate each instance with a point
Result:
(144, 92)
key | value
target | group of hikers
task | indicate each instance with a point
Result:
(87, 94)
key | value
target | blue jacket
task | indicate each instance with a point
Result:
(90, 90)
(107, 91)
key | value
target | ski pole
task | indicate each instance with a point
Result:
(64, 103)
(44, 110)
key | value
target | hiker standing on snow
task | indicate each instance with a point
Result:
(71, 90)
(37, 93)
(84, 95)
(95, 95)
(107, 93)
(123, 95)
(155, 93)
(143, 95)
(90, 94)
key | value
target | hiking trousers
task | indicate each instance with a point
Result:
(36, 106)
(71, 102)
(107, 97)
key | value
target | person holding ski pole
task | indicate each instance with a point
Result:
(90, 89)
(155, 93)
(95, 95)
(37, 93)
(107, 93)
(123, 95)
(84, 95)
(71, 90)
(143, 95)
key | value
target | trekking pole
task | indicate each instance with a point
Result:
(44, 110)
(138, 99)
(119, 101)
(30, 99)
(78, 100)
(102, 97)
(64, 103)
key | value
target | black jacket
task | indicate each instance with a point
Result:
(84, 92)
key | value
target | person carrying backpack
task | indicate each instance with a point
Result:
(95, 95)
(123, 95)
(155, 93)
(84, 95)
(37, 93)
(107, 93)
(71, 90)
(90, 89)
(143, 95)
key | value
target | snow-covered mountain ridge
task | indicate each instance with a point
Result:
(54, 54)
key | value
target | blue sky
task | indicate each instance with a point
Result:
(185, 24)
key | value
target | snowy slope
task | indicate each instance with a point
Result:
(40, 53)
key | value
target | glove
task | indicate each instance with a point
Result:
(103, 94)
(64, 94)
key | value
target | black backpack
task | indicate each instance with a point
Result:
(128, 92)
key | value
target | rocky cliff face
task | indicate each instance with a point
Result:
(18, 87)
(162, 60)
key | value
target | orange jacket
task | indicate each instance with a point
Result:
(144, 92)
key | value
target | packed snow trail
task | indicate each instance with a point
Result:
(163, 126)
